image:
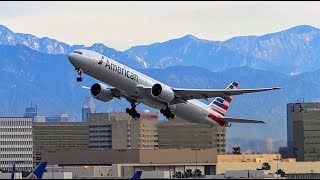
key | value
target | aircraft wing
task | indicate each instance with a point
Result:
(239, 120)
(183, 95)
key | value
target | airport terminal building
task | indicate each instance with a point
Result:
(116, 140)
(125, 162)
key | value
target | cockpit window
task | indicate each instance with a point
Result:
(78, 52)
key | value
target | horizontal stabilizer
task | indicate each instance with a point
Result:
(238, 120)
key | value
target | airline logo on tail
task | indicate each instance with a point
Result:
(136, 175)
(38, 171)
(220, 106)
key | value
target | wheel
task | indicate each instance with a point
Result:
(132, 111)
(167, 116)
(172, 116)
(79, 79)
(133, 116)
(127, 110)
(162, 111)
(138, 115)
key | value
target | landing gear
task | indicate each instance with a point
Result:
(133, 112)
(79, 79)
(79, 71)
(167, 113)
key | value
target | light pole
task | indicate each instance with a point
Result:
(277, 165)
(196, 150)
(122, 169)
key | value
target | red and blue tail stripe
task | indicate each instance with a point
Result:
(220, 105)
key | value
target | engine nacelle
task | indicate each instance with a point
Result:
(101, 92)
(162, 93)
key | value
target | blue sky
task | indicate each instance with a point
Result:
(124, 24)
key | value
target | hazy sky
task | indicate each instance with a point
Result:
(121, 25)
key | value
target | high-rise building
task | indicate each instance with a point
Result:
(179, 133)
(16, 143)
(88, 107)
(120, 131)
(31, 112)
(85, 111)
(303, 130)
(59, 136)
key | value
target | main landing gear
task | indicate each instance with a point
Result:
(133, 112)
(79, 71)
(167, 113)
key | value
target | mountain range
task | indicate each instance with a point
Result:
(291, 51)
(37, 70)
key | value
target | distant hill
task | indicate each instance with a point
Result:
(291, 51)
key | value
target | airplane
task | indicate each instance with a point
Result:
(34, 174)
(138, 88)
(136, 175)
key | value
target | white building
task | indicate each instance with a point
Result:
(64, 117)
(16, 143)
(40, 119)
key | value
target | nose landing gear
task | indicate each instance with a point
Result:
(79, 71)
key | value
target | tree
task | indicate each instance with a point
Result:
(236, 150)
(188, 173)
(266, 166)
(177, 175)
(281, 172)
(197, 173)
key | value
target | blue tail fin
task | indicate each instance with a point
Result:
(13, 171)
(38, 171)
(136, 175)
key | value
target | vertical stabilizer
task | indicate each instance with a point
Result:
(220, 105)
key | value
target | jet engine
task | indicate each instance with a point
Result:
(162, 93)
(101, 92)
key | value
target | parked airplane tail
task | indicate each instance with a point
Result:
(136, 175)
(38, 171)
(221, 104)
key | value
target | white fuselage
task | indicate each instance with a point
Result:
(127, 81)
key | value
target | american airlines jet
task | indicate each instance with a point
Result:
(138, 88)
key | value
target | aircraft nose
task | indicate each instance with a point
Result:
(72, 58)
